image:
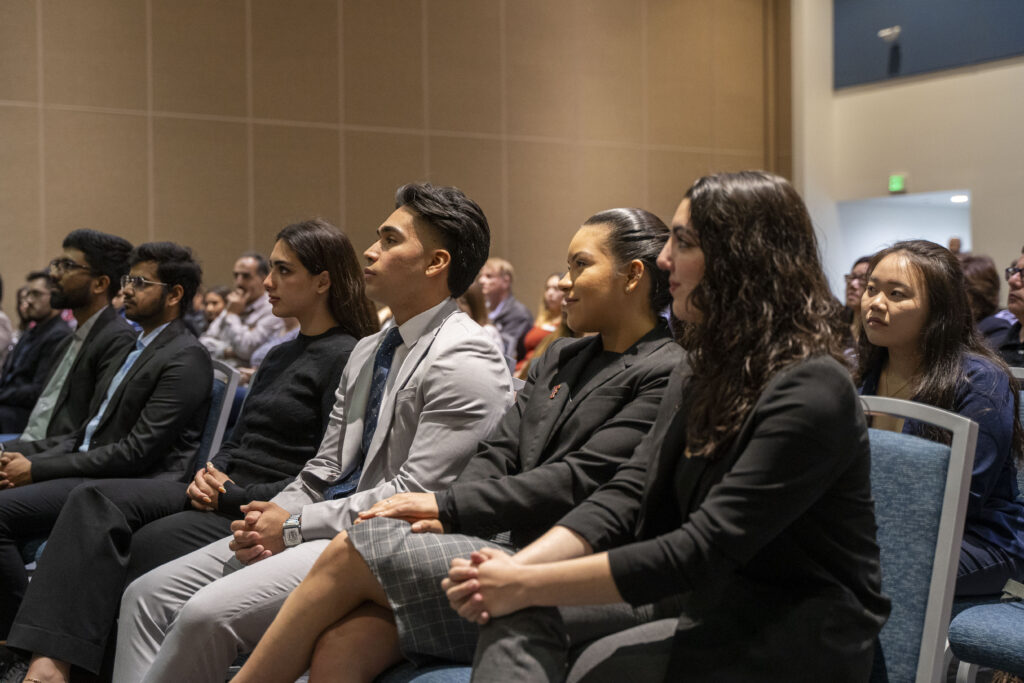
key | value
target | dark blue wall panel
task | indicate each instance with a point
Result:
(935, 34)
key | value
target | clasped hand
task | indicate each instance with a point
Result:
(260, 534)
(419, 509)
(489, 584)
(15, 470)
(205, 488)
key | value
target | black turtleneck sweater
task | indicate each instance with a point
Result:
(284, 417)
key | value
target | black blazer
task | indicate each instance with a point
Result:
(106, 342)
(564, 436)
(772, 545)
(153, 424)
(28, 364)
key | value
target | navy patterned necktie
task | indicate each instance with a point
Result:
(381, 369)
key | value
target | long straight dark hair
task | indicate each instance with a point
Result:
(320, 246)
(764, 299)
(948, 335)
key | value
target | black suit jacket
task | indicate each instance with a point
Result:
(564, 436)
(772, 544)
(154, 421)
(25, 370)
(106, 342)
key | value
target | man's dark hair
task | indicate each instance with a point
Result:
(36, 274)
(105, 254)
(262, 266)
(460, 224)
(175, 265)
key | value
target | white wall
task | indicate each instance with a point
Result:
(868, 225)
(955, 129)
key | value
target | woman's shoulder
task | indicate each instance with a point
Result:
(982, 375)
(818, 385)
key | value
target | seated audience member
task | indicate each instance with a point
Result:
(855, 281)
(213, 303)
(549, 316)
(920, 345)
(6, 329)
(472, 304)
(314, 276)
(413, 402)
(510, 316)
(23, 322)
(195, 320)
(548, 454)
(755, 519)
(246, 321)
(29, 362)
(147, 416)
(1010, 346)
(982, 282)
(83, 280)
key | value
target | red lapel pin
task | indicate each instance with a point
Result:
(555, 392)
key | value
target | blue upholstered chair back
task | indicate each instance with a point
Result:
(920, 490)
(225, 381)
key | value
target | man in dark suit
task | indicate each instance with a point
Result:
(508, 314)
(146, 421)
(27, 365)
(83, 278)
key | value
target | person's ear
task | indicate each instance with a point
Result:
(323, 282)
(100, 284)
(440, 259)
(174, 295)
(634, 274)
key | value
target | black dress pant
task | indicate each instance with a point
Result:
(72, 602)
(26, 513)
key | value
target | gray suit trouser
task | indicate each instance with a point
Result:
(189, 619)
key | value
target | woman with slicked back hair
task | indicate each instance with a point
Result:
(745, 514)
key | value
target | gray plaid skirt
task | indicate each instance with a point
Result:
(410, 567)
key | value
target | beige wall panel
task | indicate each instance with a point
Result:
(739, 74)
(670, 175)
(94, 52)
(96, 175)
(542, 81)
(376, 164)
(544, 212)
(611, 63)
(464, 65)
(383, 62)
(296, 178)
(609, 177)
(18, 51)
(730, 163)
(201, 193)
(199, 56)
(474, 166)
(295, 60)
(680, 79)
(21, 244)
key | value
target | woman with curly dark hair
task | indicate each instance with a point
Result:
(920, 344)
(748, 508)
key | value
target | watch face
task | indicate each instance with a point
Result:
(292, 537)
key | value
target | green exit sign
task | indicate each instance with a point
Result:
(898, 182)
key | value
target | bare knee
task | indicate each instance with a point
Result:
(335, 557)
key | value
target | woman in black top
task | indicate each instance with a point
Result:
(750, 500)
(136, 525)
(374, 595)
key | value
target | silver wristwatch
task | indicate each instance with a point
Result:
(292, 531)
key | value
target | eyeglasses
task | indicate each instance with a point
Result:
(1013, 270)
(851, 278)
(137, 282)
(65, 265)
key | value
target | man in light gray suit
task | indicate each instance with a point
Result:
(412, 404)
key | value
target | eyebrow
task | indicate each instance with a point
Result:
(581, 252)
(891, 283)
(281, 262)
(388, 228)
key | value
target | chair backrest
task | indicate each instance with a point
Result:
(225, 381)
(920, 489)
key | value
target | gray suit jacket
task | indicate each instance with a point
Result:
(451, 390)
